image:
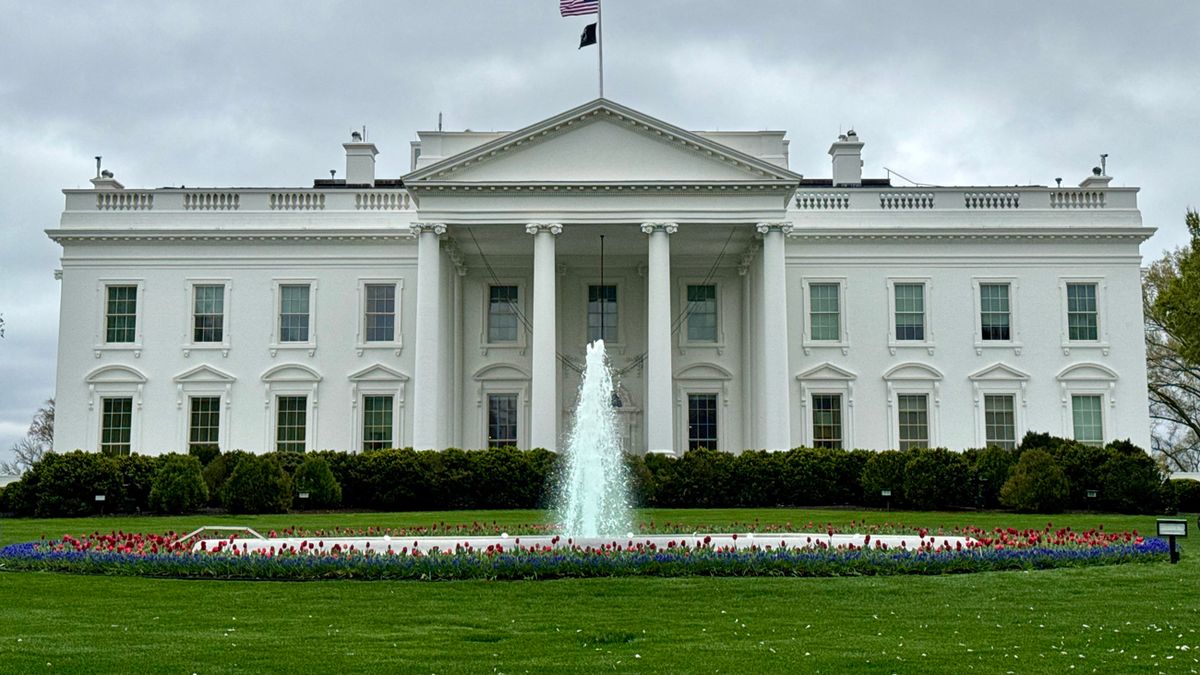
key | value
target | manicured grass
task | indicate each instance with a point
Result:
(1093, 619)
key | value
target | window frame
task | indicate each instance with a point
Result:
(100, 340)
(291, 379)
(1016, 407)
(1102, 315)
(487, 414)
(807, 342)
(701, 378)
(189, 412)
(909, 379)
(308, 414)
(189, 335)
(900, 441)
(1014, 332)
(824, 380)
(391, 408)
(104, 399)
(361, 344)
(929, 343)
(716, 422)
(1101, 399)
(1089, 379)
(114, 381)
(276, 344)
(812, 419)
(485, 318)
(378, 380)
(999, 379)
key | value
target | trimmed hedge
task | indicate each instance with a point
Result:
(178, 487)
(1125, 478)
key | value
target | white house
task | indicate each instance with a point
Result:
(744, 306)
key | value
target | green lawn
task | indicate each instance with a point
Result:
(1120, 619)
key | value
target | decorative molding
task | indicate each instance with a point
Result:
(538, 228)
(436, 229)
(779, 226)
(291, 234)
(669, 228)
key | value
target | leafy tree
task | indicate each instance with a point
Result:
(37, 442)
(1036, 485)
(1171, 304)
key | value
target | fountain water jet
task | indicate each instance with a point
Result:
(593, 498)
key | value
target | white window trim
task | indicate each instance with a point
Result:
(1088, 379)
(1014, 332)
(100, 343)
(216, 383)
(682, 342)
(360, 337)
(114, 381)
(1102, 315)
(385, 382)
(843, 341)
(520, 344)
(929, 343)
(307, 385)
(920, 378)
(1106, 404)
(311, 345)
(827, 379)
(502, 378)
(702, 378)
(999, 379)
(621, 282)
(189, 334)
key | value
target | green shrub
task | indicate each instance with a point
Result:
(990, 467)
(217, 472)
(1037, 484)
(1130, 481)
(702, 478)
(1185, 495)
(288, 461)
(755, 480)
(205, 453)
(257, 485)
(884, 471)
(936, 478)
(661, 469)
(396, 480)
(137, 479)
(179, 486)
(315, 478)
(65, 485)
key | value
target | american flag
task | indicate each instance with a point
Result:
(578, 7)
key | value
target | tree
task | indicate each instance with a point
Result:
(37, 442)
(1171, 305)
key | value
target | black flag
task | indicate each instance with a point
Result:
(589, 36)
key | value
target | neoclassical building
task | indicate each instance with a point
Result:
(743, 305)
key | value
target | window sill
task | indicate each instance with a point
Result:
(135, 347)
(809, 344)
(223, 347)
(686, 345)
(362, 347)
(515, 345)
(981, 345)
(894, 345)
(1104, 347)
(276, 347)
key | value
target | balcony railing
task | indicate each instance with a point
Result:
(241, 200)
(963, 198)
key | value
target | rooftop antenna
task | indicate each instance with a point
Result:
(1058, 181)
(364, 132)
(331, 173)
(903, 177)
(97, 166)
(1104, 164)
(439, 120)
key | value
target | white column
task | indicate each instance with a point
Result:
(775, 387)
(659, 408)
(543, 426)
(427, 371)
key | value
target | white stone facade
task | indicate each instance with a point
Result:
(753, 308)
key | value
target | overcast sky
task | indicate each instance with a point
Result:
(259, 93)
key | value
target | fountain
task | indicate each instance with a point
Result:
(593, 496)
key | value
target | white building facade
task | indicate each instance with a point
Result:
(743, 306)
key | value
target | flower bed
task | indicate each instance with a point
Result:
(691, 554)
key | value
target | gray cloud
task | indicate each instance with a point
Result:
(263, 93)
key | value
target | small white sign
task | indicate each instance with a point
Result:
(1172, 528)
(885, 493)
(100, 498)
(303, 495)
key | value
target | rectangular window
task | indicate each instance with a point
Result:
(116, 426)
(502, 420)
(994, 312)
(502, 314)
(208, 313)
(999, 421)
(293, 312)
(204, 423)
(702, 421)
(291, 423)
(824, 313)
(1087, 412)
(380, 315)
(827, 420)
(702, 313)
(1082, 320)
(914, 420)
(910, 311)
(602, 313)
(377, 422)
(120, 315)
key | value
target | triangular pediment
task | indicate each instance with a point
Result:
(600, 142)
(204, 373)
(998, 371)
(827, 371)
(378, 373)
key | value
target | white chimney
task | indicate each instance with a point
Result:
(360, 160)
(847, 159)
(1096, 180)
(104, 181)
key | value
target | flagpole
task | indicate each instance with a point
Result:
(600, 41)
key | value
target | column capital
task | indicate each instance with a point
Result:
(537, 228)
(779, 226)
(437, 229)
(669, 228)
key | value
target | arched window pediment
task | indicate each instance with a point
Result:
(115, 374)
(913, 371)
(291, 372)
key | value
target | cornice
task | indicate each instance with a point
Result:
(604, 187)
(72, 235)
(1008, 233)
